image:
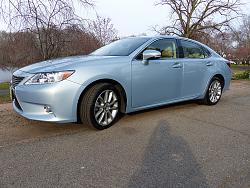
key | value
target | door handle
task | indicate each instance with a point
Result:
(209, 64)
(177, 66)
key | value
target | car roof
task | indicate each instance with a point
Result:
(161, 36)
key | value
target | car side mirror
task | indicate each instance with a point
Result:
(150, 54)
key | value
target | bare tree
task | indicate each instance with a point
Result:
(221, 42)
(196, 18)
(17, 50)
(80, 41)
(243, 32)
(103, 29)
(44, 18)
(242, 40)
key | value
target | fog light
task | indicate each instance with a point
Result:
(47, 109)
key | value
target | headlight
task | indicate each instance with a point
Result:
(49, 77)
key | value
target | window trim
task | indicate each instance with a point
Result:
(202, 48)
(158, 39)
(206, 51)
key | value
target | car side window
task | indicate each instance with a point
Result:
(167, 47)
(206, 52)
(192, 50)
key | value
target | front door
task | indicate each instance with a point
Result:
(160, 80)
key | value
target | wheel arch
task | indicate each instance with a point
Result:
(218, 75)
(119, 87)
(221, 77)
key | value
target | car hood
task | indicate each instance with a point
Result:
(66, 63)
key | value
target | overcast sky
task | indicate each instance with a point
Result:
(133, 17)
(138, 16)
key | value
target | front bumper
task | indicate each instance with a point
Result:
(30, 101)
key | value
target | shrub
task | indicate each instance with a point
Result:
(241, 75)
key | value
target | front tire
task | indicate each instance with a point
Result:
(214, 92)
(100, 106)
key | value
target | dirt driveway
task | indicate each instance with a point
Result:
(184, 145)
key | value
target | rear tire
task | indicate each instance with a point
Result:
(100, 106)
(214, 92)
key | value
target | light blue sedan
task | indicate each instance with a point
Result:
(125, 76)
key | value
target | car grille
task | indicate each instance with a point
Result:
(16, 80)
(17, 103)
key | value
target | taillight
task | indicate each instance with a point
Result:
(228, 64)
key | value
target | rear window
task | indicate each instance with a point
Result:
(193, 50)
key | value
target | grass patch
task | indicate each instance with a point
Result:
(239, 68)
(4, 99)
(4, 85)
(241, 75)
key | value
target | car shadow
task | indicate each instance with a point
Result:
(168, 162)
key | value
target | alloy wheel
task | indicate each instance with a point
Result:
(106, 108)
(215, 91)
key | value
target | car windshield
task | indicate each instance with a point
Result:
(122, 47)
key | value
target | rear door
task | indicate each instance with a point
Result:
(195, 65)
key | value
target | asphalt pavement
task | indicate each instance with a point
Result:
(181, 145)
